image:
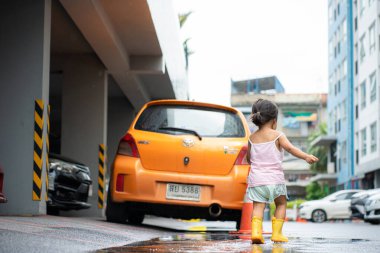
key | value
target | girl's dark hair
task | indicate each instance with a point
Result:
(263, 111)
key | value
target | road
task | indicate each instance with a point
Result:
(64, 234)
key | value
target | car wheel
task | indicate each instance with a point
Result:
(52, 210)
(238, 220)
(318, 216)
(135, 218)
(115, 212)
(374, 222)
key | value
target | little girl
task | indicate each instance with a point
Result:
(266, 182)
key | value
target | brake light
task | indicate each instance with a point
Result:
(120, 183)
(128, 147)
(241, 158)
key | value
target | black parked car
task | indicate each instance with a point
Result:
(69, 185)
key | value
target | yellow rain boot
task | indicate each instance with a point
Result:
(256, 249)
(277, 235)
(257, 230)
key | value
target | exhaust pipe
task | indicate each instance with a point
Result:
(215, 210)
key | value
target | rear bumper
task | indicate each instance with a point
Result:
(69, 205)
(181, 211)
(148, 186)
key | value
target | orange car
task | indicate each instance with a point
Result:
(180, 159)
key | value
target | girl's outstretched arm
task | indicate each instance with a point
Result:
(288, 146)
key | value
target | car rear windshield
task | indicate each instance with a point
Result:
(207, 122)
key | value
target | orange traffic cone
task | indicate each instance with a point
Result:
(246, 216)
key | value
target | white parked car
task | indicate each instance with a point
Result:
(333, 206)
(372, 208)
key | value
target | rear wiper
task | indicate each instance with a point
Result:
(182, 130)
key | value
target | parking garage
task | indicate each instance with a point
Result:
(73, 76)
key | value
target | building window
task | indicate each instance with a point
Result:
(363, 134)
(338, 39)
(344, 110)
(373, 86)
(362, 7)
(356, 67)
(372, 39)
(363, 95)
(343, 154)
(344, 68)
(373, 137)
(331, 13)
(356, 24)
(344, 31)
(331, 50)
(356, 103)
(338, 116)
(362, 48)
(357, 150)
(335, 122)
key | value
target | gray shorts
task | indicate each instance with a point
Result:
(266, 193)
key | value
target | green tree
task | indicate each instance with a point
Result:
(319, 151)
(182, 20)
(314, 191)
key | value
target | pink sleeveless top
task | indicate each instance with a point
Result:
(266, 164)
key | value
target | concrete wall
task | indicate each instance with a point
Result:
(120, 116)
(84, 115)
(24, 50)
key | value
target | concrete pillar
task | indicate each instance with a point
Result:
(120, 116)
(84, 116)
(24, 64)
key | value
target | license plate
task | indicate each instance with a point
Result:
(183, 192)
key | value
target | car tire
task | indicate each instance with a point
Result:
(135, 218)
(52, 210)
(238, 220)
(318, 216)
(374, 222)
(115, 212)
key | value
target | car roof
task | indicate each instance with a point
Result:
(375, 196)
(367, 192)
(350, 190)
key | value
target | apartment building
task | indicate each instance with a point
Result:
(353, 101)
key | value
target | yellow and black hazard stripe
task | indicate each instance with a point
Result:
(38, 149)
(101, 176)
(47, 151)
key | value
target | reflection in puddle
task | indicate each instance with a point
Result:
(218, 242)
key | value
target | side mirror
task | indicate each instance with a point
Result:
(332, 200)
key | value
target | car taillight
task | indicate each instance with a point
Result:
(120, 183)
(241, 158)
(128, 147)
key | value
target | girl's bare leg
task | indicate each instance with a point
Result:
(258, 209)
(280, 203)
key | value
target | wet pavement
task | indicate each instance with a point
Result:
(73, 234)
(217, 242)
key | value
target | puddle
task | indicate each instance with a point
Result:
(215, 242)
